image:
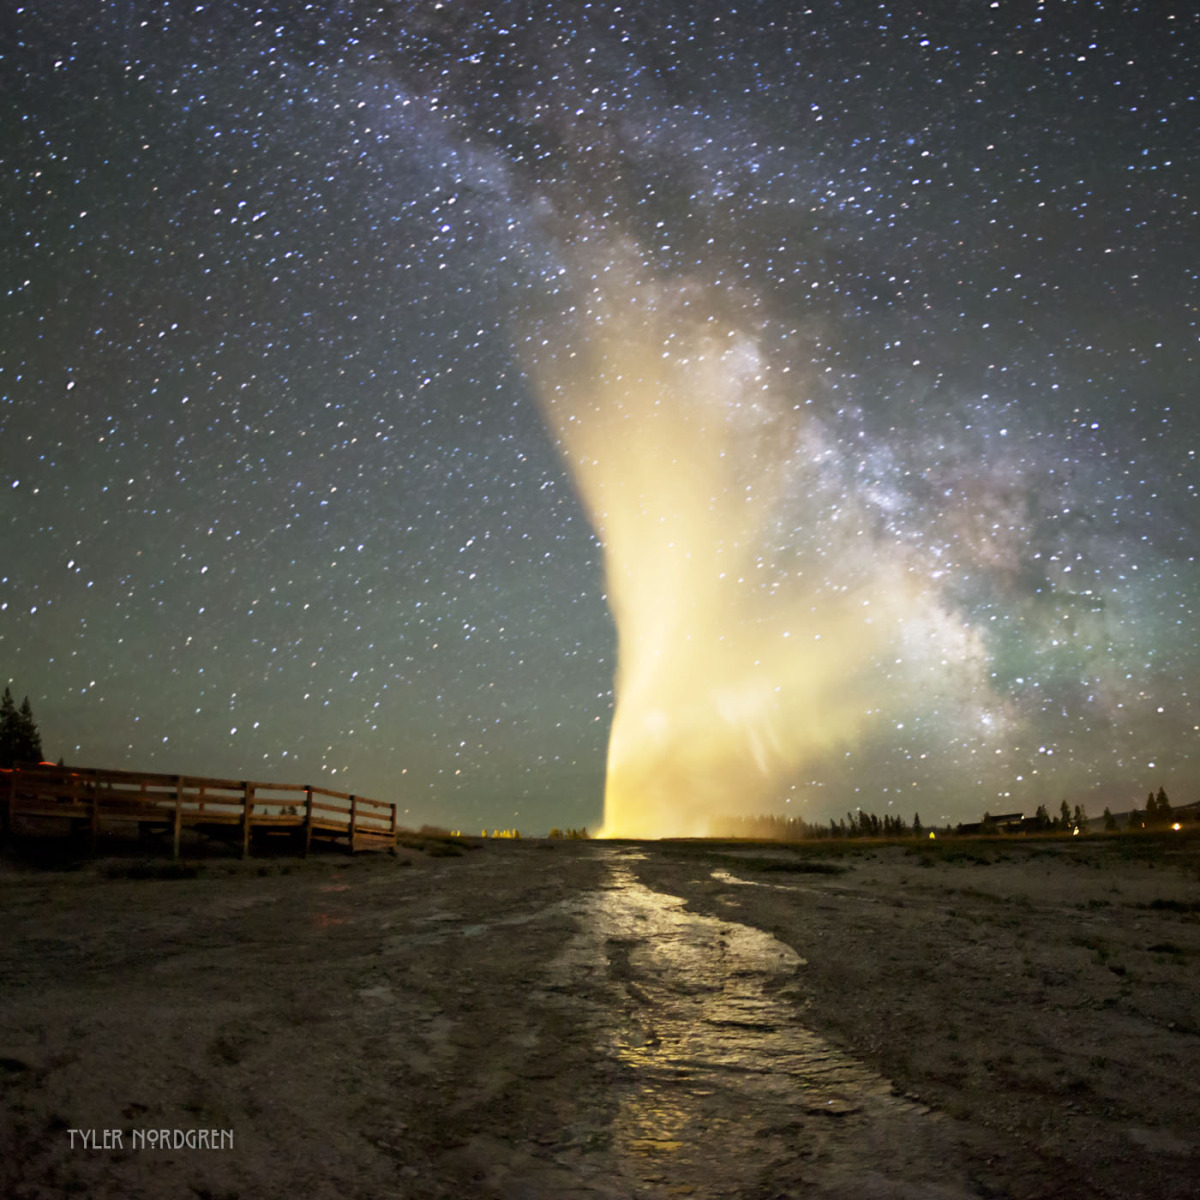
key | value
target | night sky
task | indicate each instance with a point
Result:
(288, 289)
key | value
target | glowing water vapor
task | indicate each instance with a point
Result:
(739, 646)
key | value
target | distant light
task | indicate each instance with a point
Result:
(1177, 827)
(932, 835)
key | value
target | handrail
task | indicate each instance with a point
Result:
(87, 796)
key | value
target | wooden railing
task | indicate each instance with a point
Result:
(49, 800)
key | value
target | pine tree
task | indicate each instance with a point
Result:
(1110, 822)
(20, 740)
(1165, 816)
(1081, 818)
(1151, 810)
(8, 729)
(29, 747)
(917, 827)
(1064, 817)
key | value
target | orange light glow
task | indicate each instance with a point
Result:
(737, 662)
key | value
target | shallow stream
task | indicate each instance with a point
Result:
(716, 1087)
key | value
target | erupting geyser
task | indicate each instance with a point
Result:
(740, 645)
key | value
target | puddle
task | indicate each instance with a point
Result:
(716, 1088)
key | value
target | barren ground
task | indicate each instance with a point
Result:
(1003, 1019)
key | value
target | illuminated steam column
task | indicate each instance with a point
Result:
(733, 660)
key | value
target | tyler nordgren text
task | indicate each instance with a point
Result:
(151, 1139)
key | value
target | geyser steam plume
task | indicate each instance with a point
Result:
(741, 646)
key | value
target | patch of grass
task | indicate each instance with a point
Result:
(977, 857)
(1179, 906)
(953, 851)
(437, 848)
(798, 866)
(808, 858)
(428, 836)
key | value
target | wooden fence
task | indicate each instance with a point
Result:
(45, 800)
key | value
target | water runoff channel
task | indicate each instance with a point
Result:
(715, 1087)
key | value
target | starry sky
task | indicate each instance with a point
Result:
(288, 290)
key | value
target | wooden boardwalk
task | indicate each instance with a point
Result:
(49, 801)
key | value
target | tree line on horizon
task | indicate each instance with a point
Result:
(1158, 814)
(1042, 822)
(858, 824)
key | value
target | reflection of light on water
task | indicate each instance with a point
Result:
(722, 876)
(699, 1016)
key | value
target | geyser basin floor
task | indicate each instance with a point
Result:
(715, 1086)
(528, 1022)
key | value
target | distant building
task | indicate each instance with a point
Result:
(1001, 823)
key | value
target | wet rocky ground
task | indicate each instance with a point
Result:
(525, 1019)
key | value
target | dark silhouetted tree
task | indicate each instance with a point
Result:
(28, 735)
(1080, 818)
(918, 828)
(1110, 822)
(19, 737)
(1165, 815)
(1136, 819)
(8, 729)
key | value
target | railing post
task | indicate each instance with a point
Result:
(10, 802)
(353, 820)
(393, 827)
(247, 809)
(308, 819)
(93, 791)
(178, 816)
